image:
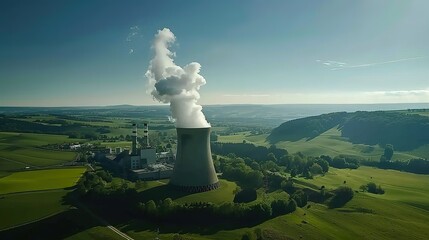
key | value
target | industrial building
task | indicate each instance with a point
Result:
(191, 170)
(144, 161)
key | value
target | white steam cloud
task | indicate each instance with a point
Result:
(176, 85)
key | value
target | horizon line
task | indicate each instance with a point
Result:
(224, 104)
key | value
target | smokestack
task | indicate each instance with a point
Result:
(193, 169)
(146, 135)
(134, 139)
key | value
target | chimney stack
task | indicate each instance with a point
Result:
(134, 140)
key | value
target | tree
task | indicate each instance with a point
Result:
(388, 152)
(300, 198)
(324, 164)
(150, 208)
(316, 169)
(271, 157)
(342, 195)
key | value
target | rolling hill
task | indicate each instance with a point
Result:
(405, 131)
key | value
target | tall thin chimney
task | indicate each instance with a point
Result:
(146, 135)
(134, 140)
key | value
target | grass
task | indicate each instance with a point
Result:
(113, 145)
(26, 207)
(25, 148)
(223, 194)
(40, 180)
(157, 190)
(401, 213)
(328, 143)
(70, 224)
(97, 232)
(240, 136)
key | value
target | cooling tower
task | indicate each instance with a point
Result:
(193, 169)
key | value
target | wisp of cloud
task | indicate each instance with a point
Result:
(173, 84)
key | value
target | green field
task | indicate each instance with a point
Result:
(401, 213)
(40, 180)
(328, 143)
(31, 195)
(223, 194)
(97, 232)
(25, 207)
(159, 190)
(23, 150)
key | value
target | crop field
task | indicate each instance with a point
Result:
(23, 150)
(40, 180)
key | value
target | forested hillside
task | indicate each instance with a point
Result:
(404, 131)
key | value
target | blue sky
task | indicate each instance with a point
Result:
(69, 53)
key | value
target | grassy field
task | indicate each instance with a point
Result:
(40, 180)
(401, 213)
(157, 190)
(23, 149)
(328, 143)
(95, 233)
(25, 207)
(223, 194)
(30, 195)
(331, 143)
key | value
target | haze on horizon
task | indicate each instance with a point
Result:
(79, 53)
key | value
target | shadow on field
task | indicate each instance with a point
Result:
(203, 226)
(59, 226)
(161, 193)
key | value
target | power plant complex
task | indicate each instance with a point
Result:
(190, 170)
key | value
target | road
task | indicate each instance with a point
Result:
(83, 207)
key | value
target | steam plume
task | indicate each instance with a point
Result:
(175, 85)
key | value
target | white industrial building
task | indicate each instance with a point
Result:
(144, 161)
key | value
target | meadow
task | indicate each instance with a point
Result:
(21, 150)
(328, 143)
(401, 213)
(40, 180)
(22, 208)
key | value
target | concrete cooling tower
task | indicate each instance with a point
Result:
(194, 170)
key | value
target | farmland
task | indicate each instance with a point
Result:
(20, 150)
(40, 180)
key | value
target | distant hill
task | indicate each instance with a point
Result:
(404, 131)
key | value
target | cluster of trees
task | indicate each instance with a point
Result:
(418, 165)
(342, 195)
(343, 161)
(236, 169)
(203, 213)
(258, 153)
(372, 188)
(73, 130)
(252, 174)
(388, 153)
(99, 188)
(405, 131)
